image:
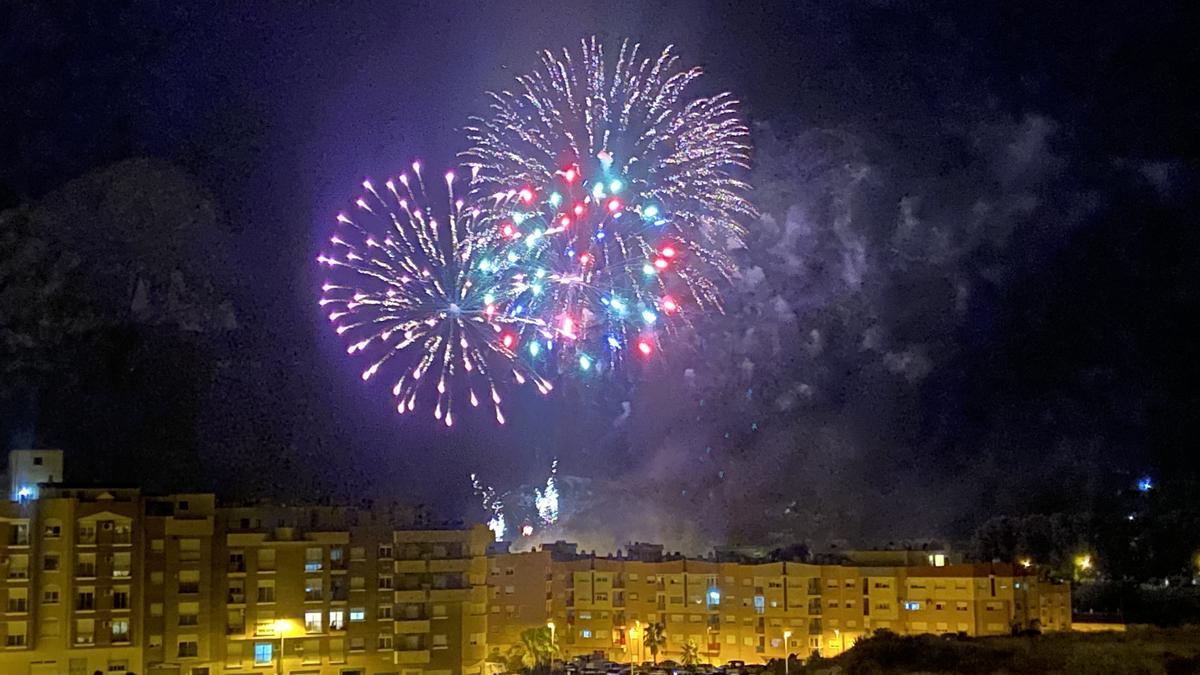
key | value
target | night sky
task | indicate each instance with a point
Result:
(969, 293)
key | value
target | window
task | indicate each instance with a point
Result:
(233, 655)
(312, 622)
(586, 633)
(17, 634)
(18, 600)
(85, 599)
(266, 559)
(189, 581)
(313, 589)
(337, 559)
(264, 623)
(85, 565)
(263, 653)
(156, 545)
(759, 604)
(237, 561)
(87, 533)
(358, 554)
(85, 631)
(385, 582)
(50, 627)
(358, 614)
(385, 550)
(312, 559)
(18, 566)
(189, 613)
(120, 630)
(385, 611)
(337, 619)
(357, 644)
(386, 640)
(912, 605)
(120, 597)
(52, 529)
(358, 583)
(50, 562)
(189, 550)
(439, 642)
(121, 564)
(156, 609)
(266, 590)
(310, 652)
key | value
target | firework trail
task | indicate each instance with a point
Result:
(618, 192)
(422, 295)
(493, 505)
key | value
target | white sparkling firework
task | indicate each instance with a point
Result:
(546, 500)
(416, 293)
(493, 505)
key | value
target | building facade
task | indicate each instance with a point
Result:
(756, 611)
(113, 581)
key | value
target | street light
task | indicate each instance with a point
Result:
(787, 651)
(282, 628)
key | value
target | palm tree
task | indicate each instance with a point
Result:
(655, 638)
(536, 649)
(691, 654)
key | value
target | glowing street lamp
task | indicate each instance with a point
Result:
(283, 627)
(787, 651)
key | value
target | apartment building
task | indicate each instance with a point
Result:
(115, 581)
(755, 611)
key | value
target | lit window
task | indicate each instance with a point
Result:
(312, 622)
(263, 653)
(586, 633)
(358, 614)
(912, 605)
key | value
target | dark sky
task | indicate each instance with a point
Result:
(980, 227)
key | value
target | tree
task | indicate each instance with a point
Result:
(536, 650)
(691, 654)
(655, 639)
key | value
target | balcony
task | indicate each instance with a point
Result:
(411, 656)
(449, 595)
(410, 566)
(410, 596)
(235, 598)
(411, 626)
(459, 565)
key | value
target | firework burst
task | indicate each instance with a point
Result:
(420, 295)
(619, 194)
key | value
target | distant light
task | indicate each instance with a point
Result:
(598, 190)
(25, 492)
(569, 175)
(668, 252)
(614, 204)
(669, 305)
(555, 198)
(584, 362)
(508, 230)
(1026, 563)
(648, 269)
(518, 217)
(584, 259)
(714, 596)
(612, 342)
(1145, 484)
(614, 186)
(534, 348)
(660, 263)
(526, 530)
(645, 348)
(564, 221)
(578, 209)
(526, 195)
(648, 316)
(650, 211)
(508, 340)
